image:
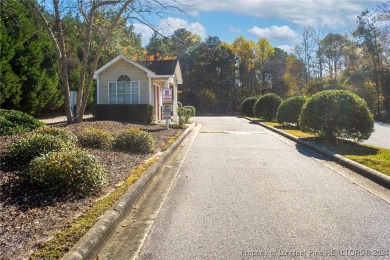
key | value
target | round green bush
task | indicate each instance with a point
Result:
(267, 106)
(26, 149)
(74, 170)
(193, 110)
(65, 135)
(337, 113)
(13, 122)
(247, 106)
(134, 140)
(95, 138)
(184, 114)
(289, 110)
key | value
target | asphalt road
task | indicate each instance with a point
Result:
(243, 192)
(381, 135)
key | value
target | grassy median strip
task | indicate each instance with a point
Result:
(170, 142)
(370, 156)
(374, 157)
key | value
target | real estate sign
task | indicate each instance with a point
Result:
(167, 112)
(167, 99)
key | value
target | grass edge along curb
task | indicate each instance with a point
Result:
(101, 230)
(87, 231)
(374, 175)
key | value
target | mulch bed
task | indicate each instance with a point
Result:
(29, 216)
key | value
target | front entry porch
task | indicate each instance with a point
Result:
(158, 86)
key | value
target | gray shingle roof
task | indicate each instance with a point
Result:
(161, 67)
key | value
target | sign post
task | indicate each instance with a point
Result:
(167, 102)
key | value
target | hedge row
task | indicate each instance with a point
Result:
(330, 113)
(124, 113)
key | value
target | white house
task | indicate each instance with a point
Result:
(123, 81)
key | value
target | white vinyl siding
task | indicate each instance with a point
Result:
(112, 73)
(122, 92)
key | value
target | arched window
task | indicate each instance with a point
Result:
(124, 78)
(124, 91)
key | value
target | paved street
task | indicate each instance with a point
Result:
(242, 192)
(381, 135)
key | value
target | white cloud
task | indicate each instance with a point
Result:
(145, 31)
(287, 48)
(336, 13)
(167, 27)
(233, 29)
(275, 33)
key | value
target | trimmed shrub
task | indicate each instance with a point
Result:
(337, 113)
(289, 110)
(247, 106)
(193, 110)
(184, 114)
(134, 140)
(65, 135)
(95, 138)
(26, 149)
(267, 106)
(13, 122)
(124, 113)
(75, 170)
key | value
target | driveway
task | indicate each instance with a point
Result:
(381, 136)
(244, 193)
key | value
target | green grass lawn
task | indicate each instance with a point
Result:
(370, 156)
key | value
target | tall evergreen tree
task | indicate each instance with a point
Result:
(29, 81)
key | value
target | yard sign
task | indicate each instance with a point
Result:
(167, 97)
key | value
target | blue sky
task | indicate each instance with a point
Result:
(280, 21)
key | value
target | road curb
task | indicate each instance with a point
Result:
(374, 175)
(101, 230)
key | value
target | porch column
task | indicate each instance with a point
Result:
(175, 116)
(166, 86)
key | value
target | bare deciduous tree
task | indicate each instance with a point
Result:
(99, 20)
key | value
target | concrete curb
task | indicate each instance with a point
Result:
(376, 176)
(102, 229)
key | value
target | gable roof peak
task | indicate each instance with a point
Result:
(121, 57)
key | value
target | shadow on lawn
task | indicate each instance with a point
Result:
(344, 147)
(339, 146)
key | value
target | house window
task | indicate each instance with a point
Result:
(124, 91)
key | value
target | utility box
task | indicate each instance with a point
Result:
(73, 101)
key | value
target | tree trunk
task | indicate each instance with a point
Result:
(84, 88)
(63, 63)
(378, 94)
(80, 106)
